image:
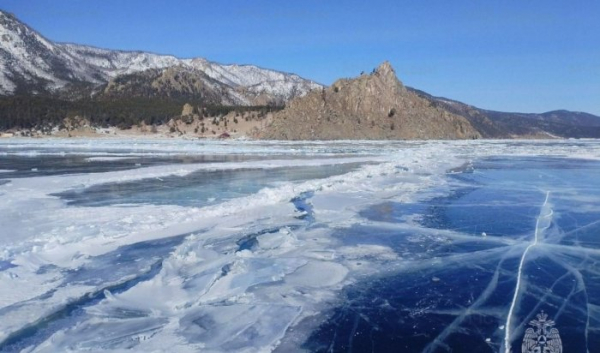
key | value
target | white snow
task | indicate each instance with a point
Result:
(255, 79)
(106, 158)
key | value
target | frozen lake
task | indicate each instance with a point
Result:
(241, 246)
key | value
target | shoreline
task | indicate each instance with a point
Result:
(115, 133)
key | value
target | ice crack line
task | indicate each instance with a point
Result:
(535, 241)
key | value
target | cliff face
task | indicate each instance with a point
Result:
(374, 106)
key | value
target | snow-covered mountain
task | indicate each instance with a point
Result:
(32, 64)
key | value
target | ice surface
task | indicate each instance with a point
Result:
(386, 254)
(454, 290)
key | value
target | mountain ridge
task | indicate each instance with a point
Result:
(495, 124)
(31, 63)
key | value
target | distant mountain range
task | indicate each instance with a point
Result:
(32, 64)
(43, 82)
(494, 124)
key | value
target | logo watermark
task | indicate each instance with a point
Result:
(542, 337)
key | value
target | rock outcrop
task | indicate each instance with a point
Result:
(373, 106)
(188, 110)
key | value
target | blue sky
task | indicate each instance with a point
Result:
(509, 55)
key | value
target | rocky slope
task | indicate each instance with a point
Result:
(176, 82)
(184, 82)
(32, 64)
(374, 106)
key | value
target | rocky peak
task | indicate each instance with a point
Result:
(375, 106)
(384, 69)
(386, 73)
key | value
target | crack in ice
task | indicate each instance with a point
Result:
(535, 241)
